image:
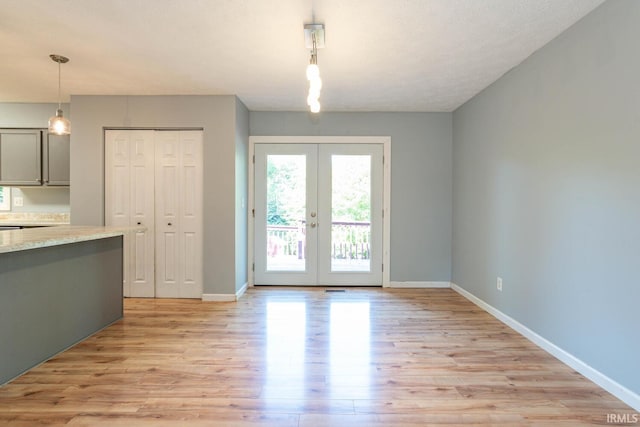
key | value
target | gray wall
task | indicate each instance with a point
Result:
(29, 115)
(215, 114)
(420, 179)
(242, 163)
(546, 192)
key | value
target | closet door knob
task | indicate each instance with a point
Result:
(169, 224)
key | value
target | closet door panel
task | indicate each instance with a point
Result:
(129, 187)
(179, 213)
(170, 252)
(169, 259)
(191, 212)
(142, 212)
(117, 177)
(117, 188)
(190, 251)
(119, 208)
(140, 270)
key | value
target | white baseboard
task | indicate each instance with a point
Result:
(242, 290)
(218, 297)
(621, 392)
(225, 297)
(419, 285)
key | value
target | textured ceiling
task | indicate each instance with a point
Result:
(380, 55)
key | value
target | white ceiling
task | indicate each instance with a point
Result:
(380, 55)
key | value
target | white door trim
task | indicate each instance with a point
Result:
(386, 191)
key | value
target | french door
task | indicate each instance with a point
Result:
(318, 214)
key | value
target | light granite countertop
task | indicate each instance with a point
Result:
(32, 238)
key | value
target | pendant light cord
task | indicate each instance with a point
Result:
(59, 98)
(314, 51)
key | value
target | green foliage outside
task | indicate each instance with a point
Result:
(351, 188)
(351, 185)
(285, 189)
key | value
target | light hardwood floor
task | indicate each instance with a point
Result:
(306, 357)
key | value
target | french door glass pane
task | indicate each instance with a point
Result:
(350, 213)
(286, 207)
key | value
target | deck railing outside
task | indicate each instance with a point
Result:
(349, 240)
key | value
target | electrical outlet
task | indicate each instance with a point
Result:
(18, 201)
(499, 284)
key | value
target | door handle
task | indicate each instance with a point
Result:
(313, 225)
(169, 224)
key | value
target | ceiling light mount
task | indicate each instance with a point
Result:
(311, 31)
(59, 58)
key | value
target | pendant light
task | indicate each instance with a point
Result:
(314, 39)
(58, 124)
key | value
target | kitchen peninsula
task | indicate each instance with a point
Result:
(58, 285)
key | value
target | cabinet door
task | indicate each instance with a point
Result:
(20, 155)
(55, 154)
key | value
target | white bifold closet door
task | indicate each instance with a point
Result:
(129, 201)
(178, 214)
(154, 179)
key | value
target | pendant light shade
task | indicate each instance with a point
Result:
(58, 124)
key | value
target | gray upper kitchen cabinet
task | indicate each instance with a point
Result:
(55, 159)
(20, 157)
(33, 157)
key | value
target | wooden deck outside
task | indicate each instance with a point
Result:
(306, 357)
